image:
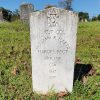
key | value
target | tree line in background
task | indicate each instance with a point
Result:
(10, 15)
(85, 16)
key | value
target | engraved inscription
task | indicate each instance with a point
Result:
(52, 33)
(52, 51)
(52, 70)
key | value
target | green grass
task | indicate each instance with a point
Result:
(15, 54)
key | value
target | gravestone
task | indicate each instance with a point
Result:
(1, 16)
(25, 10)
(53, 44)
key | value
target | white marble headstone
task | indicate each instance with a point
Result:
(53, 43)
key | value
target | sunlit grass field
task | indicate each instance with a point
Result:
(15, 63)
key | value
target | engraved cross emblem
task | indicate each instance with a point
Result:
(52, 16)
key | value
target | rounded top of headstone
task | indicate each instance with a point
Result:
(59, 9)
(49, 6)
(25, 4)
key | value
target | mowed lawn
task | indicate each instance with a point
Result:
(15, 63)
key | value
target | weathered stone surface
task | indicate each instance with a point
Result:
(1, 16)
(53, 44)
(25, 10)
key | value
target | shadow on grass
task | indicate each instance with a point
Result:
(82, 70)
